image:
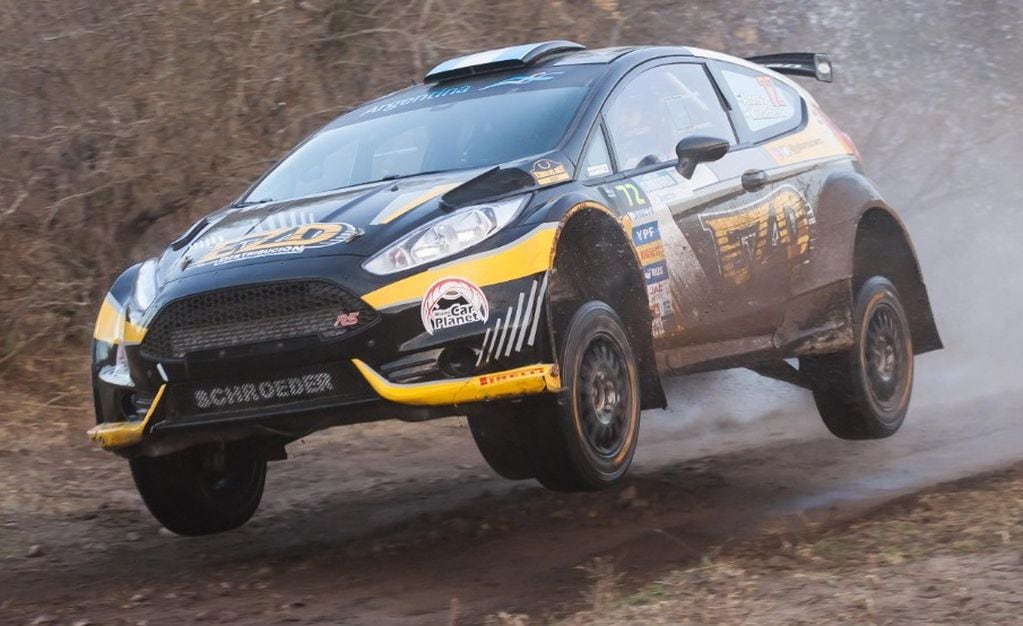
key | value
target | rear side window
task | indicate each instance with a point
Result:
(662, 105)
(766, 106)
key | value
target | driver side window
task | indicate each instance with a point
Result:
(658, 108)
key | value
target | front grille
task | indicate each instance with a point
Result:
(253, 314)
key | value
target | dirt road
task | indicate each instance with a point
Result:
(404, 524)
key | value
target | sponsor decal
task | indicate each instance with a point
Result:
(646, 233)
(651, 254)
(433, 94)
(660, 296)
(667, 187)
(598, 170)
(661, 308)
(345, 320)
(789, 150)
(647, 239)
(229, 396)
(661, 179)
(289, 240)
(772, 92)
(759, 99)
(524, 80)
(655, 272)
(547, 172)
(778, 226)
(452, 302)
(656, 324)
(500, 378)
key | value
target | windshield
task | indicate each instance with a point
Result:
(490, 120)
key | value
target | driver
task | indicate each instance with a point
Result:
(639, 131)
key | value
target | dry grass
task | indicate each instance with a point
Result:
(952, 555)
(125, 120)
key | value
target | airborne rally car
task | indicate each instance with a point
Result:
(534, 238)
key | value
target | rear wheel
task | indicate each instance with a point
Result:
(202, 490)
(864, 393)
(586, 438)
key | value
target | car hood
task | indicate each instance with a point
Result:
(355, 221)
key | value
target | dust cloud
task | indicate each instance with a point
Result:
(931, 94)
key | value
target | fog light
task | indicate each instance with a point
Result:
(458, 361)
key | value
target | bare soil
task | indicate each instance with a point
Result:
(395, 523)
(953, 555)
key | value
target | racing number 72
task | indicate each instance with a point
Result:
(632, 195)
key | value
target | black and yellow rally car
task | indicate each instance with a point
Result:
(533, 238)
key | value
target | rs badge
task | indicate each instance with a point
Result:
(452, 302)
(344, 320)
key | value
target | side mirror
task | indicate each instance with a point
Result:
(694, 150)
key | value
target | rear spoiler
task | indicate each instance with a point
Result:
(812, 64)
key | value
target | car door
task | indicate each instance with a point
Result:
(789, 148)
(697, 257)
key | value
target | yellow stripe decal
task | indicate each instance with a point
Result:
(521, 381)
(133, 333)
(526, 256)
(109, 321)
(426, 196)
(113, 327)
(113, 435)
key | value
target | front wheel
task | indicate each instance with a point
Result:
(863, 393)
(585, 440)
(499, 441)
(203, 490)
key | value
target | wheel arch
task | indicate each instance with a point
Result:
(593, 259)
(882, 247)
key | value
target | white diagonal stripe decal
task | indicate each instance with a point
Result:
(483, 348)
(536, 313)
(504, 332)
(518, 329)
(497, 327)
(525, 321)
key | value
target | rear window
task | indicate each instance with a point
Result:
(766, 106)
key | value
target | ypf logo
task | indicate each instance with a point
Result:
(452, 302)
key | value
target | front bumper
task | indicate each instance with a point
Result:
(392, 368)
(518, 382)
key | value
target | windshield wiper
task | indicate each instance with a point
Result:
(399, 176)
(245, 203)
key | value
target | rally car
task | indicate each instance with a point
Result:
(533, 237)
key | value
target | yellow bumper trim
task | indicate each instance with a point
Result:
(521, 381)
(112, 435)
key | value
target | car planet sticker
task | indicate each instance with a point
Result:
(452, 302)
(547, 172)
(290, 240)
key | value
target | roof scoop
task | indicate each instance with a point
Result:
(496, 60)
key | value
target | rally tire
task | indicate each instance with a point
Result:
(585, 439)
(863, 393)
(202, 490)
(498, 438)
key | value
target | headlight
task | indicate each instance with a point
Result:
(145, 285)
(446, 236)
